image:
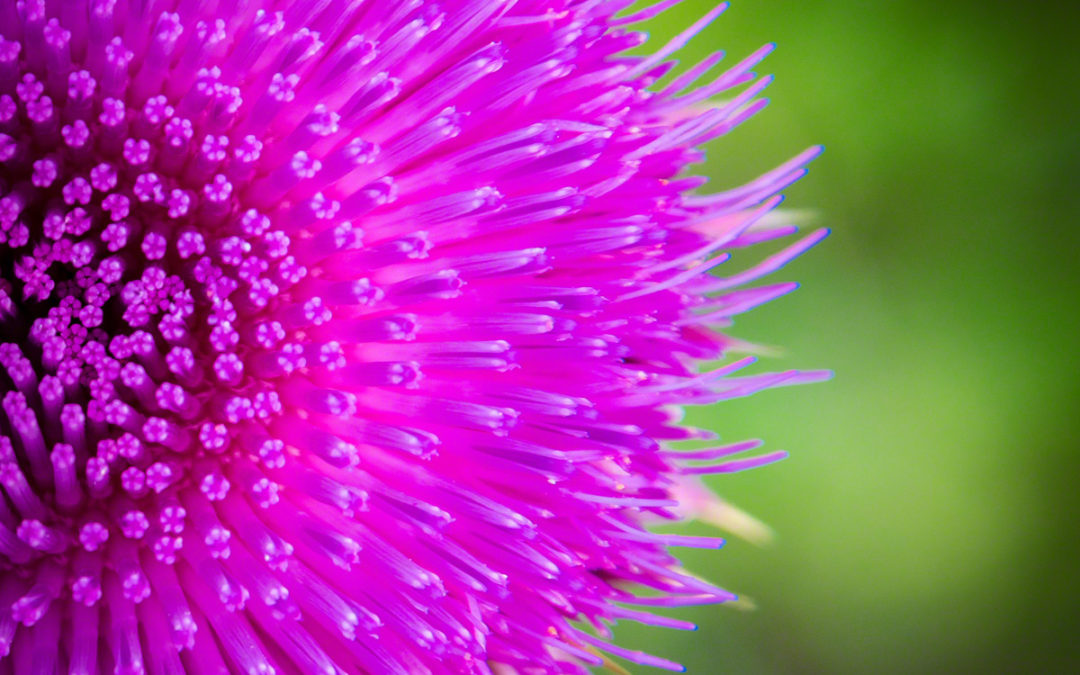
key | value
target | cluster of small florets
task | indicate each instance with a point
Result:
(338, 336)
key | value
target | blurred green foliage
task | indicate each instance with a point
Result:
(926, 520)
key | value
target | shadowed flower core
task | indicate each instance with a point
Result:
(345, 336)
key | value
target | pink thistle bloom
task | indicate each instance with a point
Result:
(344, 336)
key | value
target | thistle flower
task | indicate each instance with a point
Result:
(343, 336)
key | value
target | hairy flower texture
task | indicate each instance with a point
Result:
(342, 336)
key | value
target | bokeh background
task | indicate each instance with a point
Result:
(926, 520)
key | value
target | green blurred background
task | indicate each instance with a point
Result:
(926, 520)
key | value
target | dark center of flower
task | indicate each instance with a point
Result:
(140, 320)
